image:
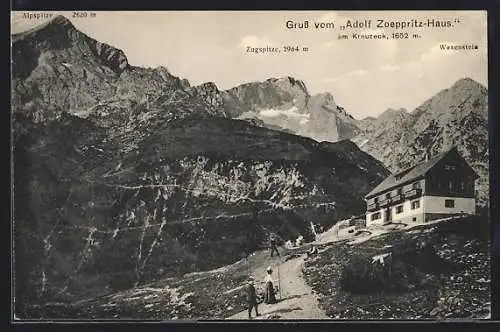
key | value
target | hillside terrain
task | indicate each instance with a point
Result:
(127, 175)
(431, 271)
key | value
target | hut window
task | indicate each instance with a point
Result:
(449, 203)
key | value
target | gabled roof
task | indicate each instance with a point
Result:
(409, 174)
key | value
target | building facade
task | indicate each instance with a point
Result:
(440, 186)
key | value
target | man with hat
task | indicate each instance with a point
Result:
(251, 298)
(273, 245)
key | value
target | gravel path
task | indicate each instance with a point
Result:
(297, 299)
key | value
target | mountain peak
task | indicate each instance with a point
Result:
(467, 82)
(56, 25)
(327, 96)
(61, 20)
(64, 41)
(208, 85)
(391, 112)
(289, 80)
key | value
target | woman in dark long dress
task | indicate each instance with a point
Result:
(270, 294)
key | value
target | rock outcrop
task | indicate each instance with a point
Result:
(286, 104)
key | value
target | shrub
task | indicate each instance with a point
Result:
(362, 276)
(420, 254)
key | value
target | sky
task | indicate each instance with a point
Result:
(364, 76)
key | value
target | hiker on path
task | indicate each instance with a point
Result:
(273, 246)
(270, 294)
(251, 298)
(246, 252)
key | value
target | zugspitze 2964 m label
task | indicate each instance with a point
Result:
(286, 165)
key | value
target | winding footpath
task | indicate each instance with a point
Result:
(297, 299)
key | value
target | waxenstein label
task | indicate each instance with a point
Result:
(448, 47)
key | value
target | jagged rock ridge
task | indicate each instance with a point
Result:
(286, 103)
(57, 67)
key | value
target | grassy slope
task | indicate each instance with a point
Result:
(214, 294)
(459, 279)
(455, 285)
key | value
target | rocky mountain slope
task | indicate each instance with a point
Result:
(124, 175)
(56, 68)
(286, 104)
(457, 116)
(379, 126)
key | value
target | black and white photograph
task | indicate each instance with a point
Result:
(250, 165)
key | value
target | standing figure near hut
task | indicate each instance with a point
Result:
(313, 251)
(251, 298)
(274, 246)
(270, 295)
(246, 251)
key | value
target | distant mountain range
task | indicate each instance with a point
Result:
(395, 137)
(456, 116)
(126, 174)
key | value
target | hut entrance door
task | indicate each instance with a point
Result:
(387, 215)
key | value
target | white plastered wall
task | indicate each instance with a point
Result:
(435, 204)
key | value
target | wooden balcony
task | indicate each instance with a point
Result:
(397, 198)
(416, 192)
(373, 207)
(385, 202)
